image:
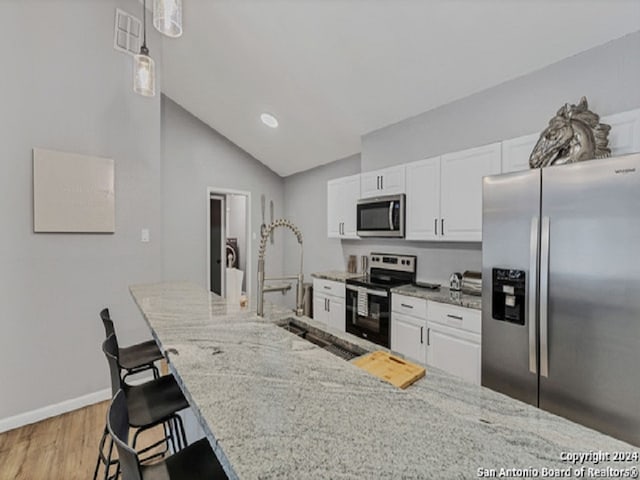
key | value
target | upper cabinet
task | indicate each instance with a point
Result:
(516, 152)
(624, 136)
(444, 195)
(423, 200)
(387, 181)
(342, 197)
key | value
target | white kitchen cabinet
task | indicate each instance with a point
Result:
(408, 325)
(407, 336)
(454, 340)
(624, 136)
(342, 197)
(336, 313)
(516, 152)
(423, 200)
(455, 351)
(329, 303)
(461, 191)
(386, 181)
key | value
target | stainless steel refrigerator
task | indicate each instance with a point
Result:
(561, 291)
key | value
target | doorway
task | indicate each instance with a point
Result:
(229, 242)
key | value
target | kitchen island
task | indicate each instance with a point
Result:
(276, 406)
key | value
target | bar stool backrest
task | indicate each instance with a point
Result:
(118, 425)
(107, 322)
(110, 349)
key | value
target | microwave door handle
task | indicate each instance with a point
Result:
(391, 216)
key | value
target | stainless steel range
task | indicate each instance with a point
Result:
(368, 302)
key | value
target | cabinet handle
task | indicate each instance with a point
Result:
(343, 228)
(378, 182)
(442, 226)
(428, 336)
(455, 317)
(406, 306)
(435, 226)
(421, 331)
(328, 304)
(381, 182)
(327, 288)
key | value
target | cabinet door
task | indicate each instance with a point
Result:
(516, 153)
(320, 308)
(453, 351)
(423, 200)
(334, 192)
(461, 191)
(407, 336)
(350, 196)
(336, 313)
(370, 184)
(624, 136)
(392, 181)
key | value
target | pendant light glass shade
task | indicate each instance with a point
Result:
(144, 74)
(167, 17)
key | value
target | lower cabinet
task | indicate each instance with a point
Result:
(407, 336)
(454, 350)
(328, 303)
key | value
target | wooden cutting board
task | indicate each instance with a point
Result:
(392, 369)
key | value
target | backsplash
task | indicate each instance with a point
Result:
(436, 260)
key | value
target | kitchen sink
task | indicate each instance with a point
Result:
(324, 340)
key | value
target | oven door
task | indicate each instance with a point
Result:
(367, 314)
(381, 217)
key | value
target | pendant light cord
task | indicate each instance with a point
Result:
(144, 50)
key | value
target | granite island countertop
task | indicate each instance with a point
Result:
(275, 406)
(441, 295)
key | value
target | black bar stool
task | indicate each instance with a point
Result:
(134, 358)
(195, 462)
(150, 404)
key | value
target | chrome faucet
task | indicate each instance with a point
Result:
(262, 289)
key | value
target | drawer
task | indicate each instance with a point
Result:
(328, 287)
(457, 317)
(416, 307)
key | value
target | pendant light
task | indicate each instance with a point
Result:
(167, 17)
(144, 68)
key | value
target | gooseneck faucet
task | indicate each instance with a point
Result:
(262, 289)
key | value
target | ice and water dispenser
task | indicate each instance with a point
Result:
(508, 300)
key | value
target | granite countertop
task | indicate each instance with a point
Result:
(442, 295)
(336, 275)
(275, 406)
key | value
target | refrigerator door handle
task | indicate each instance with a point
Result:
(533, 293)
(544, 297)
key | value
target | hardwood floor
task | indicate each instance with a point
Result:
(63, 447)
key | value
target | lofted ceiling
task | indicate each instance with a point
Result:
(333, 70)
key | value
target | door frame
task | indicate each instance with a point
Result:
(212, 191)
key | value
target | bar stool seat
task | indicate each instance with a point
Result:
(197, 461)
(135, 356)
(154, 401)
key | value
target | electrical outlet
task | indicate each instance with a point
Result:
(144, 236)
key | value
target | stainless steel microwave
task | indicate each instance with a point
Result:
(381, 216)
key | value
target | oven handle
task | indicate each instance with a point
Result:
(377, 293)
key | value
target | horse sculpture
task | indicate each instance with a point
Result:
(573, 135)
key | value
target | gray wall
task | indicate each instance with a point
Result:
(609, 76)
(63, 87)
(195, 157)
(306, 206)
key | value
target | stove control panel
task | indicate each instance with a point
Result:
(388, 261)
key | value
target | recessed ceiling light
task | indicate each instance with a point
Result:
(269, 120)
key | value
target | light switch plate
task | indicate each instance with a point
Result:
(144, 236)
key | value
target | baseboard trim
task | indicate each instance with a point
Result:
(49, 411)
